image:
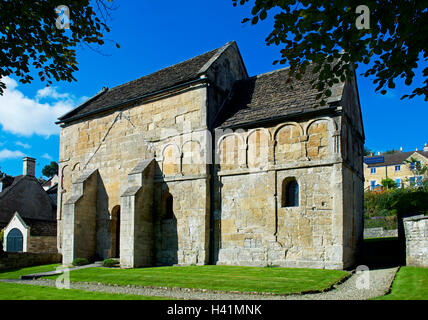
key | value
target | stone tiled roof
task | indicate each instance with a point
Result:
(155, 82)
(269, 96)
(394, 158)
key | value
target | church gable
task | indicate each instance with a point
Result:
(180, 74)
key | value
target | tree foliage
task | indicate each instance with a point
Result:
(367, 151)
(388, 183)
(50, 170)
(30, 38)
(318, 31)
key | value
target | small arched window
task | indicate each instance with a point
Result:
(169, 207)
(290, 193)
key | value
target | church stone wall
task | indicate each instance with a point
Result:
(116, 142)
(184, 238)
(252, 225)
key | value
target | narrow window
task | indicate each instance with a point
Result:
(397, 168)
(169, 207)
(373, 170)
(290, 193)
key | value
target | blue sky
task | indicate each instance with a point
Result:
(155, 34)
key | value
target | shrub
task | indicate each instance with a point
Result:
(80, 262)
(110, 263)
(388, 183)
(388, 223)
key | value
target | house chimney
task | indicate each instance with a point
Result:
(426, 147)
(29, 166)
(378, 153)
(401, 149)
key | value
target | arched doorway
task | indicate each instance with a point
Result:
(115, 232)
(14, 241)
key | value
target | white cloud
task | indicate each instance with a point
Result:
(8, 154)
(51, 92)
(25, 116)
(24, 145)
(46, 156)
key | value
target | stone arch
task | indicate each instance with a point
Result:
(318, 132)
(64, 171)
(230, 148)
(171, 159)
(193, 158)
(288, 144)
(290, 196)
(220, 140)
(258, 148)
(330, 121)
(76, 167)
(115, 231)
(280, 126)
(167, 206)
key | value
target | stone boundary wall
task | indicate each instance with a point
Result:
(13, 260)
(379, 233)
(416, 231)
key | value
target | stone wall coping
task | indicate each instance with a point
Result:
(131, 191)
(416, 218)
(84, 176)
(73, 199)
(141, 166)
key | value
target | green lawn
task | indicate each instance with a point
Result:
(411, 283)
(16, 273)
(227, 278)
(13, 291)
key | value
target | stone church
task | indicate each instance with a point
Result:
(198, 163)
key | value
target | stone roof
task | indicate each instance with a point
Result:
(164, 79)
(394, 158)
(269, 96)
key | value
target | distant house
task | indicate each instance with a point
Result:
(27, 211)
(50, 183)
(393, 166)
(29, 235)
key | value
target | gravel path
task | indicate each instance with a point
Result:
(379, 282)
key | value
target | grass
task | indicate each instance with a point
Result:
(13, 291)
(411, 283)
(17, 273)
(225, 278)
